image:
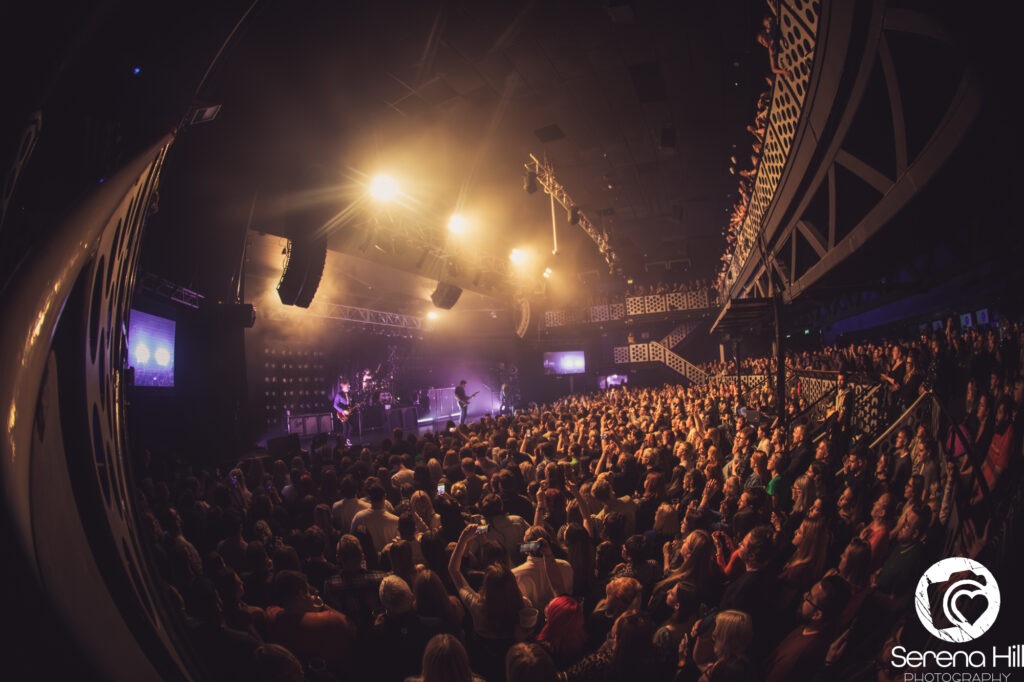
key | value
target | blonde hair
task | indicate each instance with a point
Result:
(421, 504)
(526, 468)
(666, 518)
(732, 634)
(436, 472)
(802, 501)
(813, 545)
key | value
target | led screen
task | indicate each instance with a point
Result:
(151, 349)
(565, 362)
(612, 380)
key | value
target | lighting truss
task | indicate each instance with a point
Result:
(347, 313)
(426, 237)
(169, 291)
(546, 178)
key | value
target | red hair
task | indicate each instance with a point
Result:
(563, 633)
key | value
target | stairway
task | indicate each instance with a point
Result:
(655, 351)
(677, 335)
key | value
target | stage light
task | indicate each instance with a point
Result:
(530, 182)
(432, 315)
(384, 188)
(518, 257)
(204, 114)
(142, 353)
(457, 225)
(574, 216)
(547, 273)
(162, 357)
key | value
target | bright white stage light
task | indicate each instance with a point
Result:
(384, 188)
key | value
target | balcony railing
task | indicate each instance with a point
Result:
(630, 307)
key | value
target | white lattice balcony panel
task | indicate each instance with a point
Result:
(638, 352)
(677, 335)
(654, 304)
(635, 305)
(620, 355)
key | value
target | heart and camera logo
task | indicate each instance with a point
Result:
(957, 599)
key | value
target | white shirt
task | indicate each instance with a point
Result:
(381, 524)
(508, 530)
(345, 509)
(534, 583)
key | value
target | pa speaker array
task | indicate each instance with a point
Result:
(445, 295)
(303, 268)
(522, 317)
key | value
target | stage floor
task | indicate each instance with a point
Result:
(369, 437)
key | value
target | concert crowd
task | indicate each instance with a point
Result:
(658, 533)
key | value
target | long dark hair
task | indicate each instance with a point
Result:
(445, 660)
(432, 599)
(579, 547)
(633, 650)
(502, 599)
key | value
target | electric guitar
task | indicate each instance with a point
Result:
(464, 403)
(344, 414)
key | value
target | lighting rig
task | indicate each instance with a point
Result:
(541, 173)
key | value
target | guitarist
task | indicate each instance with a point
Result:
(344, 406)
(460, 395)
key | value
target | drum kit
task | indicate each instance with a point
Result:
(376, 387)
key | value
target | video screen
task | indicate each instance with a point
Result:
(612, 380)
(151, 349)
(565, 362)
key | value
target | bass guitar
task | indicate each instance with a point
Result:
(464, 403)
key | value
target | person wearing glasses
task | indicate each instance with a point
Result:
(802, 653)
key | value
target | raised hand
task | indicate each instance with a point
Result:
(972, 542)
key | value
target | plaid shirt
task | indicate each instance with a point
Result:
(355, 593)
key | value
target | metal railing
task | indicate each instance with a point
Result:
(958, 492)
(630, 307)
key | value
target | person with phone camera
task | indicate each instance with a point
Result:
(501, 614)
(541, 577)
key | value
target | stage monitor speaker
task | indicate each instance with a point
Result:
(303, 268)
(310, 424)
(445, 295)
(284, 447)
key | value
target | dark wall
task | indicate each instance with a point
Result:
(201, 415)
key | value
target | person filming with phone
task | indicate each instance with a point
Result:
(541, 577)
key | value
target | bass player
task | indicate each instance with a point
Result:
(460, 395)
